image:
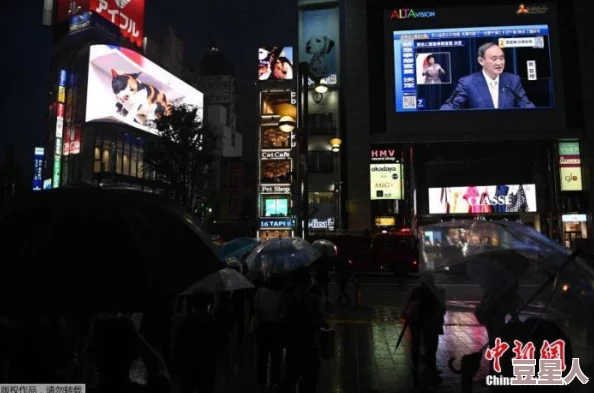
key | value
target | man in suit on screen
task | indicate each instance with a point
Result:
(490, 88)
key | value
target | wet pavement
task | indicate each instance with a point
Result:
(366, 361)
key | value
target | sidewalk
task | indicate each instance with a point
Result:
(365, 360)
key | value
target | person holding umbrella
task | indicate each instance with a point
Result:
(305, 317)
(424, 315)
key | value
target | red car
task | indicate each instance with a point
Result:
(394, 253)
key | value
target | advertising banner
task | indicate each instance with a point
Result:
(570, 166)
(386, 181)
(503, 198)
(128, 15)
(323, 224)
(275, 63)
(319, 42)
(273, 234)
(279, 223)
(62, 79)
(125, 87)
(38, 168)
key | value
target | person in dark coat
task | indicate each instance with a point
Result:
(424, 314)
(322, 267)
(343, 275)
(305, 318)
(198, 346)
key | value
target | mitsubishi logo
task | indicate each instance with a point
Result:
(122, 3)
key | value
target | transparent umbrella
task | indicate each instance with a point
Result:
(282, 255)
(325, 247)
(224, 280)
(477, 260)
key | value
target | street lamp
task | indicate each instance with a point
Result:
(335, 143)
(286, 124)
(321, 86)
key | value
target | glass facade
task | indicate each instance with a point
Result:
(120, 153)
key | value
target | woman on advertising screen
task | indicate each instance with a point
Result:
(432, 70)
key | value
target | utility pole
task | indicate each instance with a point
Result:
(302, 150)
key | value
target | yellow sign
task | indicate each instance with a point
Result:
(386, 181)
(571, 178)
(61, 94)
(385, 221)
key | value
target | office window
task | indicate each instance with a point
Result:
(108, 153)
(320, 124)
(140, 161)
(320, 162)
(316, 197)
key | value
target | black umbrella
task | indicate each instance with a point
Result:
(87, 249)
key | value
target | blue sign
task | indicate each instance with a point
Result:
(47, 184)
(38, 169)
(79, 22)
(270, 223)
(62, 78)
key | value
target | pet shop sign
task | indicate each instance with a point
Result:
(407, 13)
(128, 15)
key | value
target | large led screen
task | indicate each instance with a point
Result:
(483, 69)
(125, 87)
(275, 63)
(503, 198)
(499, 67)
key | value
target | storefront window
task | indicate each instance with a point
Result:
(574, 228)
(134, 160)
(126, 157)
(119, 155)
(321, 197)
(108, 151)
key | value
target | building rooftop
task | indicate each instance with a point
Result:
(215, 62)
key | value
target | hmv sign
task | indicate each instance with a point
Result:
(128, 15)
(384, 154)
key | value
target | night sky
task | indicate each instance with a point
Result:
(239, 27)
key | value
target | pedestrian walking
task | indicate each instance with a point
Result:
(343, 275)
(424, 314)
(271, 305)
(305, 318)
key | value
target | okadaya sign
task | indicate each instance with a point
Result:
(386, 181)
(503, 198)
(275, 222)
(276, 155)
(284, 189)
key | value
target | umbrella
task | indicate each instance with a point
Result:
(325, 247)
(282, 255)
(225, 280)
(100, 250)
(237, 247)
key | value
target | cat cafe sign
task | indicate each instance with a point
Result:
(276, 154)
(127, 15)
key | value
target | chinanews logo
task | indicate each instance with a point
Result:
(407, 13)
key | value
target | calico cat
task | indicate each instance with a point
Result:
(136, 101)
(469, 366)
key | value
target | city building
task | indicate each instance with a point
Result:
(410, 154)
(216, 78)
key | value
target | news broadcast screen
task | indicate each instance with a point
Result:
(497, 67)
(448, 71)
(125, 87)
